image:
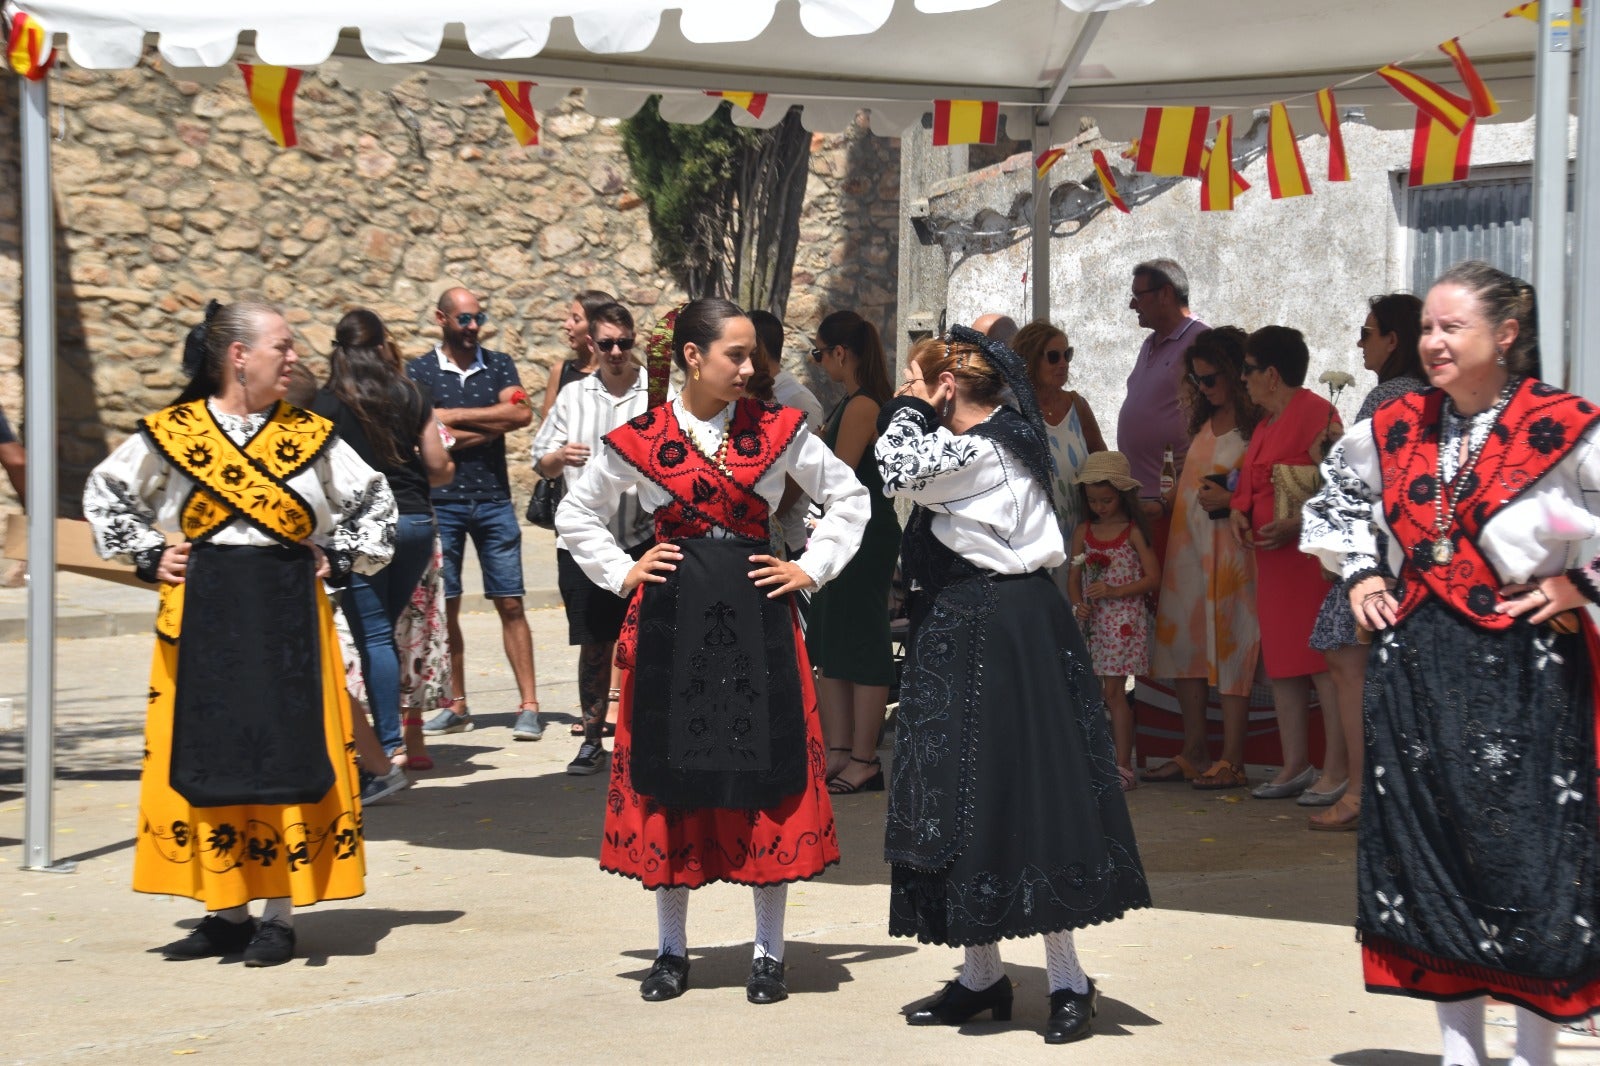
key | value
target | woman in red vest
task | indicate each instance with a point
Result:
(718, 771)
(1463, 520)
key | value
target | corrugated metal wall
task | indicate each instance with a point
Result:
(1489, 219)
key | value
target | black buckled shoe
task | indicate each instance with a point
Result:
(272, 945)
(1071, 1015)
(956, 1004)
(667, 979)
(211, 938)
(766, 982)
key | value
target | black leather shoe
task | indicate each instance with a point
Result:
(667, 979)
(957, 1004)
(273, 945)
(1071, 1015)
(766, 982)
(212, 937)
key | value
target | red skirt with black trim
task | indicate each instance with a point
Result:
(689, 847)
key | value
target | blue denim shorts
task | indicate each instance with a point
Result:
(496, 536)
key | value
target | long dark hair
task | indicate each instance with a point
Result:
(1223, 348)
(362, 374)
(860, 338)
(1399, 314)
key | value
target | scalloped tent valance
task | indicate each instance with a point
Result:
(833, 57)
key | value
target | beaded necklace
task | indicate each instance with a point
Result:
(1449, 494)
(718, 456)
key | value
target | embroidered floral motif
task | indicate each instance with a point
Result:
(1422, 489)
(672, 453)
(1547, 435)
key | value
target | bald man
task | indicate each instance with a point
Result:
(473, 390)
(996, 327)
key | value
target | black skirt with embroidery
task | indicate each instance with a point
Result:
(1478, 848)
(1006, 812)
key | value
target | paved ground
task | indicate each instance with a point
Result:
(488, 934)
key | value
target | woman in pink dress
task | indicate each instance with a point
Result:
(1289, 585)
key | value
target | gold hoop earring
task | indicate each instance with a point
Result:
(697, 373)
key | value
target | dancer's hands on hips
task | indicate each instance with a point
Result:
(779, 576)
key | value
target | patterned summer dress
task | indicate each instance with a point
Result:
(1118, 630)
(1068, 450)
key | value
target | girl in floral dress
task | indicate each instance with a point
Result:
(1113, 568)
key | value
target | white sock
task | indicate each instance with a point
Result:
(1536, 1039)
(770, 903)
(238, 914)
(981, 967)
(1461, 1024)
(1061, 963)
(672, 921)
(279, 909)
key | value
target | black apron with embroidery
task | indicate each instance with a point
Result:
(717, 718)
(248, 713)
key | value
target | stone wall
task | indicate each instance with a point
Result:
(169, 193)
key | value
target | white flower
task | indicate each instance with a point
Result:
(1583, 923)
(1377, 780)
(1337, 380)
(1391, 909)
(1078, 560)
(1564, 789)
(1545, 653)
(1491, 942)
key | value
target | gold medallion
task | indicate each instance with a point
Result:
(1442, 551)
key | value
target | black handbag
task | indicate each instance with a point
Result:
(546, 497)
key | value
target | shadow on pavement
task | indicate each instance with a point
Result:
(1382, 1057)
(811, 966)
(345, 931)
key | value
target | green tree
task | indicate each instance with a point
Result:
(724, 201)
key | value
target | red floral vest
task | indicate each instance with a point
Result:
(703, 495)
(1537, 429)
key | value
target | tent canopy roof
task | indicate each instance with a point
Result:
(834, 57)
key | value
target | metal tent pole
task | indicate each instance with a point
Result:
(39, 399)
(1584, 378)
(1552, 94)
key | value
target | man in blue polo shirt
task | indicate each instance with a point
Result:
(477, 394)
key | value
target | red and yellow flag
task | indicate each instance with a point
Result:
(1438, 154)
(272, 92)
(1445, 106)
(1286, 171)
(1172, 140)
(516, 101)
(965, 122)
(1046, 160)
(1132, 151)
(1218, 185)
(1102, 170)
(755, 103)
(1531, 12)
(1338, 162)
(28, 48)
(1483, 101)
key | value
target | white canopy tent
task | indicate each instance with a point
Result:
(1111, 58)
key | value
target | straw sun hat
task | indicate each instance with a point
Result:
(1106, 466)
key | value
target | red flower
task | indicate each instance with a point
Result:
(520, 397)
(1127, 629)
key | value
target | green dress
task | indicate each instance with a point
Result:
(847, 628)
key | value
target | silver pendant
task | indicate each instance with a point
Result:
(1442, 552)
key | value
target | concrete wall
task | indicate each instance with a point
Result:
(1309, 262)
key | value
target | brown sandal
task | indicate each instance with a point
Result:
(1223, 774)
(1171, 772)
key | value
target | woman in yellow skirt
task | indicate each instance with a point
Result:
(248, 789)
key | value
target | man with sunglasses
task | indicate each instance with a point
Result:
(478, 394)
(584, 412)
(1151, 421)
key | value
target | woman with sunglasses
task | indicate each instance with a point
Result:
(1068, 422)
(575, 331)
(1388, 343)
(848, 625)
(583, 414)
(1206, 631)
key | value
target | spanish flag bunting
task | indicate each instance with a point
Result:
(1438, 154)
(1483, 101)
(1338, 163)
(1445, 106)
(755, 103)
(1046, 160)
(965, 122)
(28, 47)
(1172, 140)
(1286, 171)
(1132, 151)
(1102, 170)
(517, 102)
(1531, 12)
(272, 92)
(1217, 186)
